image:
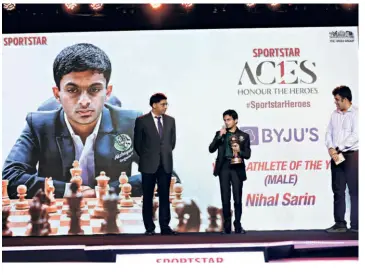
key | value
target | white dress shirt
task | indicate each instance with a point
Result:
(84, 153)
(156, 120)
(343, 130)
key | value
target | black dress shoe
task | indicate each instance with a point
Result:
(226, 232)
(337, 229)
(150, 232)
(354, 230)
(240, 231)
(168, 232)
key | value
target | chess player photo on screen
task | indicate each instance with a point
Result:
(81, 128)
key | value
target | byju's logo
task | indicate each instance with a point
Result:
(253, 132)
(282, 135)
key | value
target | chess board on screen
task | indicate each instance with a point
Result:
(108, 213)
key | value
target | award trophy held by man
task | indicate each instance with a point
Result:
(236, 159)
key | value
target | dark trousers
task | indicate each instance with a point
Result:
(163, 186)
(229, 176)
(346, 173)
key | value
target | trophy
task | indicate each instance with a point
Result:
(236, 159)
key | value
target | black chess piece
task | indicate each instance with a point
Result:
(6, 230)
(179, 210)
(74, 202)
(193, 221)
(154, 210)
(45, 201)
(46, 228)
(110, 202)
(213, 217)
(43, 198)
(35, 212)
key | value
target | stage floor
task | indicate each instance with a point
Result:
(274, 245)
(312, 238)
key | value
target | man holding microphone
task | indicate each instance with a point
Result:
(233, 147)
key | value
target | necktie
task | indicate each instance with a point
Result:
(159, 124)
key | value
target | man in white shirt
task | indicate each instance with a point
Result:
(342, 139)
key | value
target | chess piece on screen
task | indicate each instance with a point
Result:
(101, 190)
(189, 216)
(154, 210)
(155, 203)
(213, 213)
(6, 230)
(46, 227)
(45, 202)
(76, 169)
(172, 184)
(49, 189)
(179, 210)
(126, 188)
(42, 197)
(35, 212)
(178, 188)
(155, 197)
(123, 179)
(111, 211)
(76, 178)
(22, 203)
(74, 201)
(5, 196)
(220, 212)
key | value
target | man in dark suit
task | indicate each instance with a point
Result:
(85, 128)
(231, 174)
(154, 141)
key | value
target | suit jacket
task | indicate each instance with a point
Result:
(245, 153)
(46, 142)
(150, 147)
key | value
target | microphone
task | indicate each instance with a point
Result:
(224, 135)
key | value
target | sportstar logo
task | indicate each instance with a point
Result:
(25, 41)
(282, 135)
(270, 72)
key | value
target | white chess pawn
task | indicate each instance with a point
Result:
(126, 201)
(123, 179)
(22, 203)
(178, 188)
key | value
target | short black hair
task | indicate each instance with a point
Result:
(156, 98)
(79, 58)
(231, 113)
(343, 91)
